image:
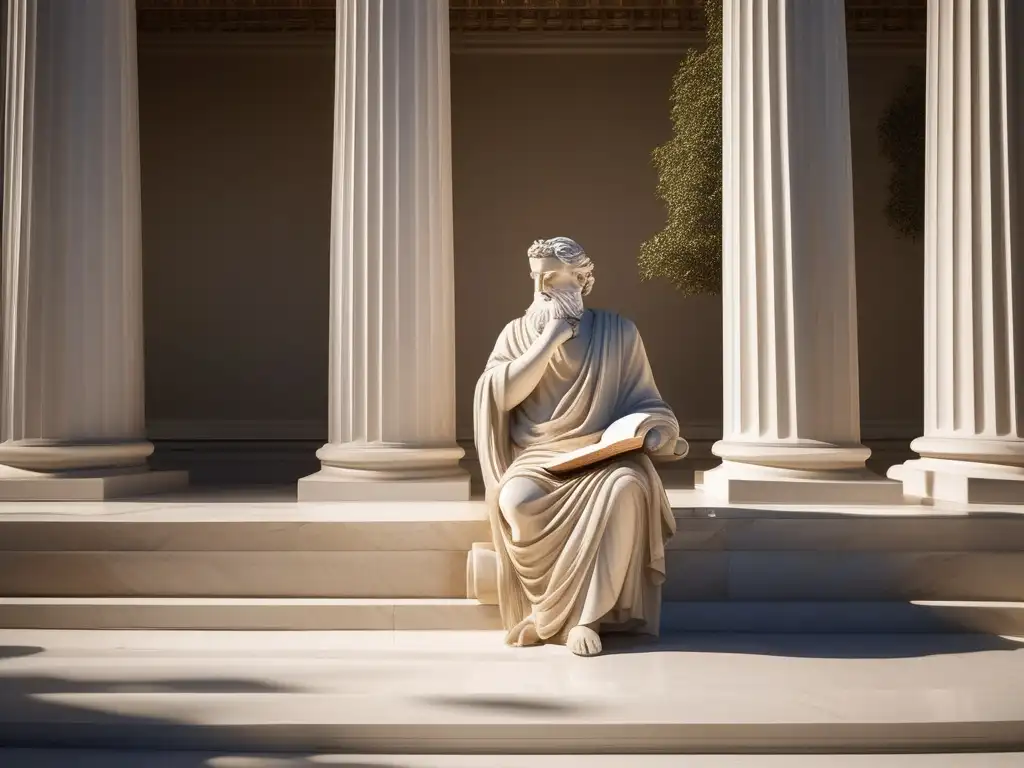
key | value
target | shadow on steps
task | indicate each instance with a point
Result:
(37, 733)
(818, 646)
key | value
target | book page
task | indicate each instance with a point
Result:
(625, 428)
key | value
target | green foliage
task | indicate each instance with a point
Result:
(901, 135)
(688, 251)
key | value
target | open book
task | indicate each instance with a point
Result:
(622, 436)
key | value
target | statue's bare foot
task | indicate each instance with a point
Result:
(523, 634)
(584, 641)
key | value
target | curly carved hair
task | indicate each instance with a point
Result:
(568, 252)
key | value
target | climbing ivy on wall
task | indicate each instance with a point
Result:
(901, 136)
(688, 251)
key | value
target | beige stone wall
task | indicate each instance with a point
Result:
(236, 144)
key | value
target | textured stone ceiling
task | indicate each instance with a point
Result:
(896, 20)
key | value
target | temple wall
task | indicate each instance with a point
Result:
(236, 152)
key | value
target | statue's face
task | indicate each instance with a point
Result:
(553, 275)
(557, 292)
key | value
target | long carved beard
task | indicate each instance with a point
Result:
(554, 305)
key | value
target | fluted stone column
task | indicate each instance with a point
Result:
(791, 410)
(392, 380)
(71, 418)
(972, 449)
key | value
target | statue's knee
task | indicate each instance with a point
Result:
(514, 495)
(508, 501)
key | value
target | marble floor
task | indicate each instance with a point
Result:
(422, 693)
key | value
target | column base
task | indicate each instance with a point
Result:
(737, 483)
(960, 481)
(387, 472)
(87, 485)
(53, 456)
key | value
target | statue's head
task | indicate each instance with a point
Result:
(562, 275)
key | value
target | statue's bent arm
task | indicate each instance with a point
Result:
(525, 373)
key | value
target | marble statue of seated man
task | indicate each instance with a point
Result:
(580, 554)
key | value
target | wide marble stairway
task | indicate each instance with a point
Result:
(214, 626)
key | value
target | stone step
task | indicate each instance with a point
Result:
(61, 758)
(264, 521)
(842, 575)
(692, 575)
(817, 617)
(411, 615)
(260, 543)
(272, 523)
(356, 574)
(465, 693)
(301, 614)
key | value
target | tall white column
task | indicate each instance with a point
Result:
(392, 381)
(71, 417)
(972, 449)
(791, 410)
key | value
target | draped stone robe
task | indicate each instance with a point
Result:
(593, 547)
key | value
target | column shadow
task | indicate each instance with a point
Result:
(38, 731)
(818, 646)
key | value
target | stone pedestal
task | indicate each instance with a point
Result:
(791, 411)
(482, 573)
(392, 379)
(972, 449)
(71, 417)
